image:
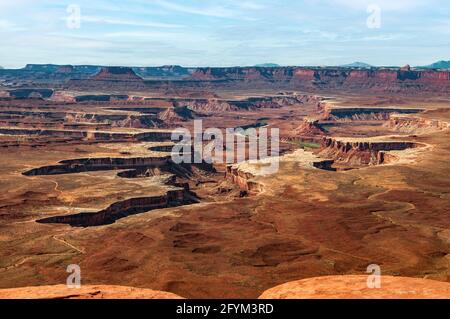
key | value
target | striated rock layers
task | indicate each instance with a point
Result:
(329, 112)
(415, 125)
(84, 292)
(376, 79)
(308, 128)
(360, 152)
(116, 74)
(355, 287)
(243, 179)
(178, 79)
(98, 164)
(252, 103)
(91, 135)
(177, 114)
(123, 209)
(114, 119)
(110, 78)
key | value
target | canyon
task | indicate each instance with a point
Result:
(87, 178)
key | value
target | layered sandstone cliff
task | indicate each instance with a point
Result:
(252, 103)
(415, 124)
(375, 79)
(110, 78)
(330, 112)
(361, 152)
(116, 74)
(98, 164)
(122, 209)
(309, 127)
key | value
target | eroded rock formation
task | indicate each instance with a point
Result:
(331, 113)
(98, 164)
(84, 292)
(110, 78)
(309, 127)
(415, 124)
(91, 135)
(123, 209)
(374, 79)
(360, 152)
(356, 287)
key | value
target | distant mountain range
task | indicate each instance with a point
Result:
(438, 65)
(267, 65)
(357, 65)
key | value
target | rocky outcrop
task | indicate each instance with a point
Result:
(356, 287)
(91, 135)
(243, 180)
(175, 72)
(4, 95)
(360, 152)
(415, 124)
(114, 119)
(374, 79)
(84, 292)
(177, 114)
(31, 93)
(101, 98)
(332, 113)
(123, 209)
(309, 127)
(98, 164)
(245, 174)
(177, 79)
(63, 97)
(122, 74)
(252, 103)
(110, 78)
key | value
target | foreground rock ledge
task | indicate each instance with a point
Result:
(85, 292)
(355, 287)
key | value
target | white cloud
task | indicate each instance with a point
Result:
(388, 5)
(105, 20)
(215, 11)
(248, 5)
(7, 26)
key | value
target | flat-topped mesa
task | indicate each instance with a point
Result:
(113, 119)
(30, 93)
(93, 98)
(115, 73)
(332, 113)
(109, 78)
(415, 125)
(163, 72)
(246, 174)
(91, 136)
(360, 152)
(251, 103)
(98, 164)
(68, 69)
(375, 79)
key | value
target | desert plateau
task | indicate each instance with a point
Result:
(202, 153)
(87, 178)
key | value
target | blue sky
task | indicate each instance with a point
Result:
(224, 33)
